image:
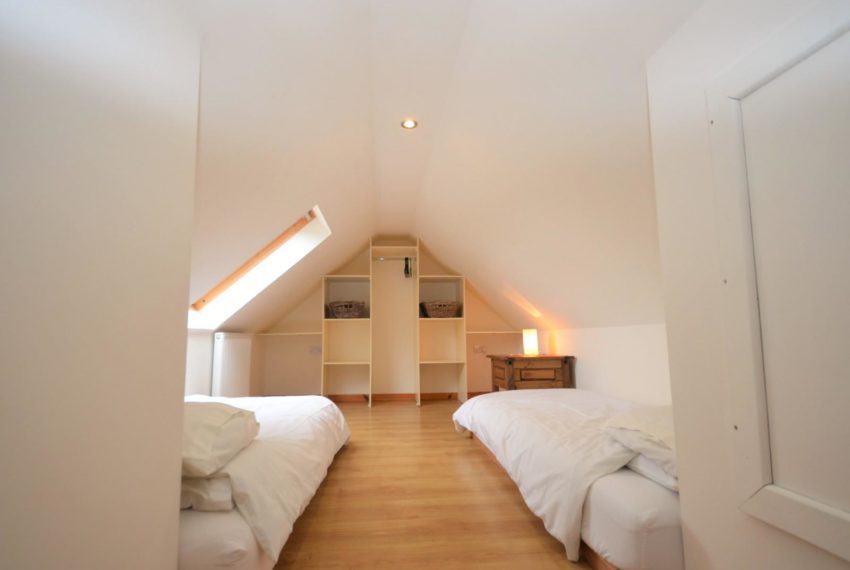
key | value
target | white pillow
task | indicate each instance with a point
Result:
(647, 430)
(653, 471)
(213, 434)
(206, 494)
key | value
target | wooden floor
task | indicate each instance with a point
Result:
(408, 492)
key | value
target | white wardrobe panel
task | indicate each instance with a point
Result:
(797, 137)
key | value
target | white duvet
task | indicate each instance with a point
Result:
(274, 478)
(552, 444)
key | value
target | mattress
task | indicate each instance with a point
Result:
(633, 522)
(273, 480)
(219, 540)
(553, 445)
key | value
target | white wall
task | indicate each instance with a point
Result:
(199, 350)
(479, 373)
(717, 535)
(539, 182)
(393, 329)
(289, 364)
(285, 125)
(625, 362)
(530, 172)
(98, 108)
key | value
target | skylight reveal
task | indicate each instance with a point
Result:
(260, 271)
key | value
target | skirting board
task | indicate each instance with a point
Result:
(593, 558)
(397, 397)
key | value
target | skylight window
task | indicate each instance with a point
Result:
(263, 269)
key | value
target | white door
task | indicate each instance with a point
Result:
(781, 145)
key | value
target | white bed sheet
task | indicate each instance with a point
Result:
(633, 522)
(553, 445)
(623, 516)
(274, 478)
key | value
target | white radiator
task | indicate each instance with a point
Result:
(231, 368)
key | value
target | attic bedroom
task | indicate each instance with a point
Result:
(444, 284)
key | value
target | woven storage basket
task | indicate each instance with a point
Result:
(441, 309)
(346, 309)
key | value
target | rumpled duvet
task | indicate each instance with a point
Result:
(553, 445)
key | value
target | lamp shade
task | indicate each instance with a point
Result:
(529, 342)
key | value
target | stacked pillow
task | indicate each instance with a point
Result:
(213, 434)
(648, 431)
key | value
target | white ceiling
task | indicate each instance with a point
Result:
(530, 172)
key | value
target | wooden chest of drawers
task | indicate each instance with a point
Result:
(516, 372)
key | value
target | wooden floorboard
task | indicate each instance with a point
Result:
(409, 493)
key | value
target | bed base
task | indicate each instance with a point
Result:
(593, 558)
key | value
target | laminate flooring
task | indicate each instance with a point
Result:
(408, 492)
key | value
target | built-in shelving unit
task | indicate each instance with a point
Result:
(441, 341)
(347, 343)
(357, 353)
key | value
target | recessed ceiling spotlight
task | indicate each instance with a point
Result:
(409, 124)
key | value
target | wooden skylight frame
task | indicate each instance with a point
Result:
(255, 260)
(262, 269)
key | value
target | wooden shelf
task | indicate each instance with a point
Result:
(432, 277)
(347, 363)
(347, 277)
(442, 319)
(290, 333)
(493, 332)
(442, 362)
(358, 319)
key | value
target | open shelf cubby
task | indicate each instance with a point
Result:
(347, 340)
(441, 288)
(347, 288)
(347, 378)
(442, 340)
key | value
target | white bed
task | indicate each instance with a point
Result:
(570, 473)
(273, 480)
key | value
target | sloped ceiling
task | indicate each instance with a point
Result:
(530, 171)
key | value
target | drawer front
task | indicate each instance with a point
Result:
(538, 363)
(537, 374)
(531, 384)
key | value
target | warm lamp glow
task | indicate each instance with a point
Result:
(514, 296)
(409, 124)
(529, 342)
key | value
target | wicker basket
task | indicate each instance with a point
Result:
(346, 309)
(441, 309)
